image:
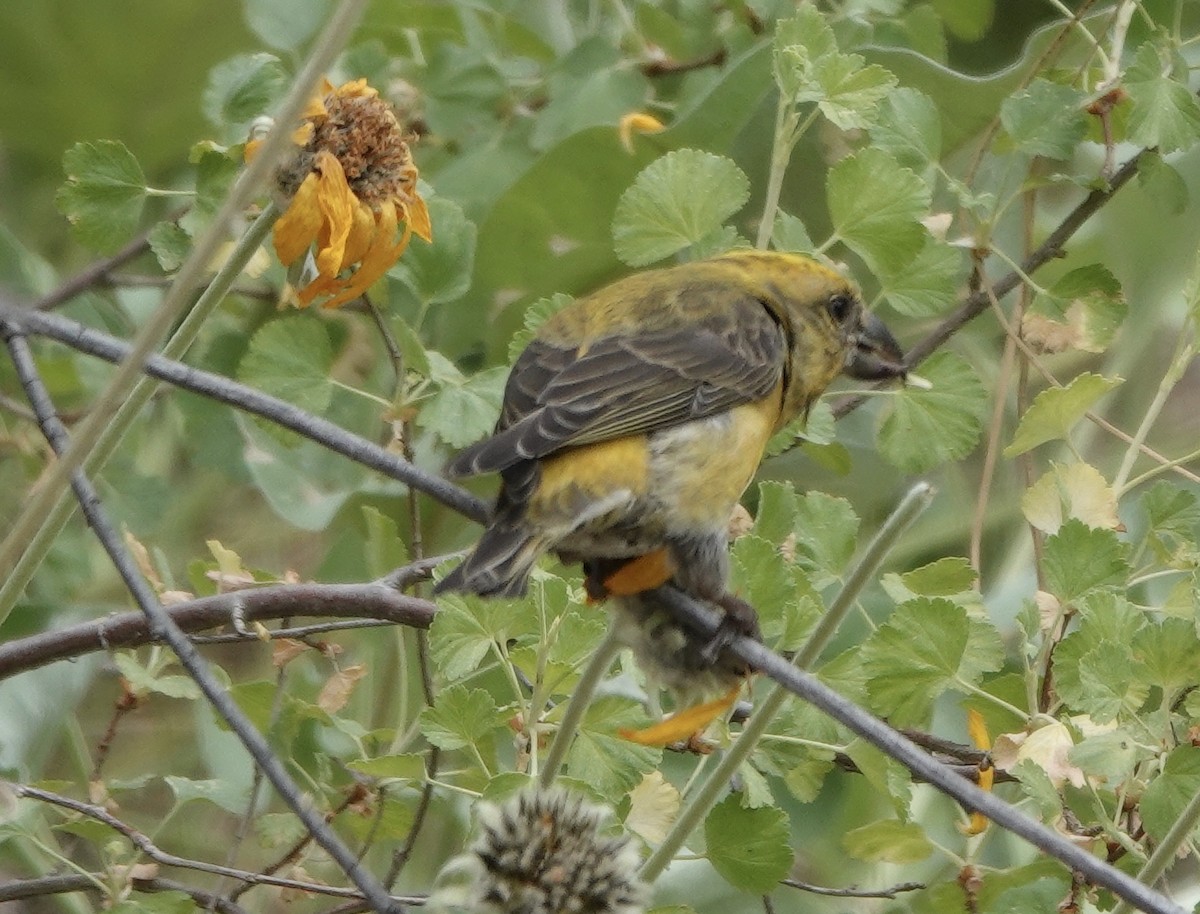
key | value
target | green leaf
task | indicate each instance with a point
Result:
(909, 128)
(465, 627)
(847, 89)
(676, 201)
(775, 518)
(750, 848)
(1170, 652)
(230, 797)
(1163, 184)
(384, 548)
(887, 776)
(826, 531)
(926, 647)
(787, 604)
(407, 767)
(888, 841)
(169, 902)
(1038, 787)
(459, 717)
(1110, 756)
(966, 20)
(1111, 681)
(1171, 791)
(1082, 310)
(1080, 558)
(789, 234)
(926, 428)
(536, 315)
(462, 413)
(1055, 411)
(1046, 119)
(286, 24)
(290, 358)
(875, 204)
(600, 756)
(412, 350)
(440, 272)
(799, 43)
(104, 194)
(241, 89)
(1164, 112)
(142, 680)
(926, 284)
(170, 244)
(942, 578)
(819, 427)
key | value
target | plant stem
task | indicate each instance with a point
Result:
(592, 674)
(128, 411)
(53, 488)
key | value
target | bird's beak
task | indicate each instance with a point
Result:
(875, 354)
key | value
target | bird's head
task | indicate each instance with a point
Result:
(828, 329)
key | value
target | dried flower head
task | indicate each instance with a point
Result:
(544, 852)
(349, 187)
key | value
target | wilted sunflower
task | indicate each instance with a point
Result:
(348, 189)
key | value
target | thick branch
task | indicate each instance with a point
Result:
(339, 601)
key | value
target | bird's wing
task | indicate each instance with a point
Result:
(559, 397)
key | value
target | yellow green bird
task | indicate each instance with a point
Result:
(637, 416)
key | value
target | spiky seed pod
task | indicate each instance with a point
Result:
(545, 852)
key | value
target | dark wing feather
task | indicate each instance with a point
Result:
(625, 384)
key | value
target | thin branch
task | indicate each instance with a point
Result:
(162, 625)
(706, 622)
(978, 302)
(99, 272)
(174, 305)
(373, 601)
(163, 858)
(853, 892)
(62, 884)
(247, 399)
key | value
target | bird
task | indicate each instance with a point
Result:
(635, 418)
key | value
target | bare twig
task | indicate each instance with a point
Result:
(163, 858)
(349, 601)
(163, 626)
(854, 892)
(247, 399)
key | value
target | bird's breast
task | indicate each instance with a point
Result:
(699, 470)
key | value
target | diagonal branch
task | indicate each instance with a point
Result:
(706, 623)
(163, 626)
(223, 390)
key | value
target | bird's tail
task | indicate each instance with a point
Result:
(499, 565)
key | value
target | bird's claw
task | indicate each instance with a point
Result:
(740, 618)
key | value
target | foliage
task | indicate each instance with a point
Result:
(1052, 589)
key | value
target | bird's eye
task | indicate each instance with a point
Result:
(840, 308)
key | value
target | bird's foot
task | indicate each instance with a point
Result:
(625, 577)
(740, 619)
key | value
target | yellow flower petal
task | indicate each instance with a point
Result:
(298, 227)
(381, 255)
(685, 723)
(977, 730)
(337, 203)
(637, 122)
(362, 234)
(416, 214)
